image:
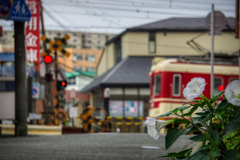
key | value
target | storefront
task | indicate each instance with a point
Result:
(123, 90)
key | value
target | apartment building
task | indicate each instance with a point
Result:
(77, 39)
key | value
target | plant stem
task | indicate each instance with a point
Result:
(236, 146)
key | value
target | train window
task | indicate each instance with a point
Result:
(157, 85)
(176, 84)
(217, 86)
(232, 79)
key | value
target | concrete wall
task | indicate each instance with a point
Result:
(7, 105)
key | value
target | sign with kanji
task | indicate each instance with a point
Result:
(19, 11)
(32, 34)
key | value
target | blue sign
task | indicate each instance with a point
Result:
(20, 11)
(35, 90)
(5, 6)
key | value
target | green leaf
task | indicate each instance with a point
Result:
(233, 124)
(195, 101)
(198, 138)
(184, 151)
(214, 136)
(230, 155)
(214, 151)
(201, 155)
(165, 115)
(173, 134)
(203, 148)
(200, 114)
(185, 121)
(175, 110)
(208, 104)
(181, 109)
(223, 104)
(190, 112)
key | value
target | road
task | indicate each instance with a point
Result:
(96, 146)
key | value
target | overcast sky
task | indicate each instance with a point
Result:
(114, 16)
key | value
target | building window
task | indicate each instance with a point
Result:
(89, 41)
(77, 57)
(7, 85)
(90, 69)
(107, 37)
(218, 85)
(99, 36)
(176, 84)
(90, 57)
(59, 34)
(99, 47)
(118, 51)
(74, 40)
(77, 68)
(99, 42)
(232, 79)
(75, 34)
(152, 42)
(157, 85)
(71, 81)
(49, 33)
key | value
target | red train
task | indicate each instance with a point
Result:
(170, 76)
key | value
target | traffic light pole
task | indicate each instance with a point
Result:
(20, 80)
(56, 117)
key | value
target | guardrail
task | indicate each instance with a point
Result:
(9, 129)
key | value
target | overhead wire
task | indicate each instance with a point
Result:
(129, 4)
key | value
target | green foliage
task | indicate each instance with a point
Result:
(219, 123)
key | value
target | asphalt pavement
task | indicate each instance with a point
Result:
(96, 146)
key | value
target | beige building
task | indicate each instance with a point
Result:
(77, 39)
(83, 60)
(170, 37)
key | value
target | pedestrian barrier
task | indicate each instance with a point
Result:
(9, 129)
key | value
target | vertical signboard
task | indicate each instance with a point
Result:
(32, 38)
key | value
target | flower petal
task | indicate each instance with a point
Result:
(150, 121)
(232, 92)
(194, 88)
(153, 132)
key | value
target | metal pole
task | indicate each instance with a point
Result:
(238, 34)
(20, 80)
(212, 50)
(56, 91)
(48, 91)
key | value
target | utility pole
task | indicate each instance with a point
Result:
(212, 51)
(20, 80)
(48, 105)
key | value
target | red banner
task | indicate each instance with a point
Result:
(32, 33)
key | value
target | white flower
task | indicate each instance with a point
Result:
(155, 125)
(194, 88)
(232, 92)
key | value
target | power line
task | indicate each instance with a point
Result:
(146, 5)
(157, 1)
(134, 10)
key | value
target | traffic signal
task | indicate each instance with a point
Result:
(61, 85)
(47, 59)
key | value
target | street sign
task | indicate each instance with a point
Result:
(35, 90)
(5, 7)
(219, 22)
(20, 11)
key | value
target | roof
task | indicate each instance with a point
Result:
(181, 24)
(133, 71)
(174, 65)
(177, 25)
